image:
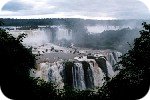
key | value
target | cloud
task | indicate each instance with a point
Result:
(15, 6)
(122, 9)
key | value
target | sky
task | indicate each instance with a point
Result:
(86, 9)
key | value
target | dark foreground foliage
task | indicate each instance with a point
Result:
(16, 61)
(133, 81)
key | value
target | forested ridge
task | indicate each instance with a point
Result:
(67, 21)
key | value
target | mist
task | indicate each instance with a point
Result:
(92, 34)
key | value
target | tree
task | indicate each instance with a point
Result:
(133, 81)
(16, 62)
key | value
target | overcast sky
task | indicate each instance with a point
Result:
(96, 9)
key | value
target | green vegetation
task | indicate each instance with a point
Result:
(67, 21)
(16, 61)
(133, 81)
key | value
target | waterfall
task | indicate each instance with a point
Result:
(81, 73)
(54, 74)
(88, 74)
(78, 76)
(113, 58)
(97, 74)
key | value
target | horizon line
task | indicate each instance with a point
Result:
(76, 18)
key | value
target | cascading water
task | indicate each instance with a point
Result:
(80, 73)
(78, 76)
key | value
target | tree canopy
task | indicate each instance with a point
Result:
(16, 62)
(133, 80)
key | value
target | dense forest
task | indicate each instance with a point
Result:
(111, 39)
(68, 21)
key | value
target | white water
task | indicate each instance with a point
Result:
(54, 72)
(78, 76)
(81, 77)
(63, 33)
(100, 28)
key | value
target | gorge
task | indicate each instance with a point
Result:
(84, 71)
